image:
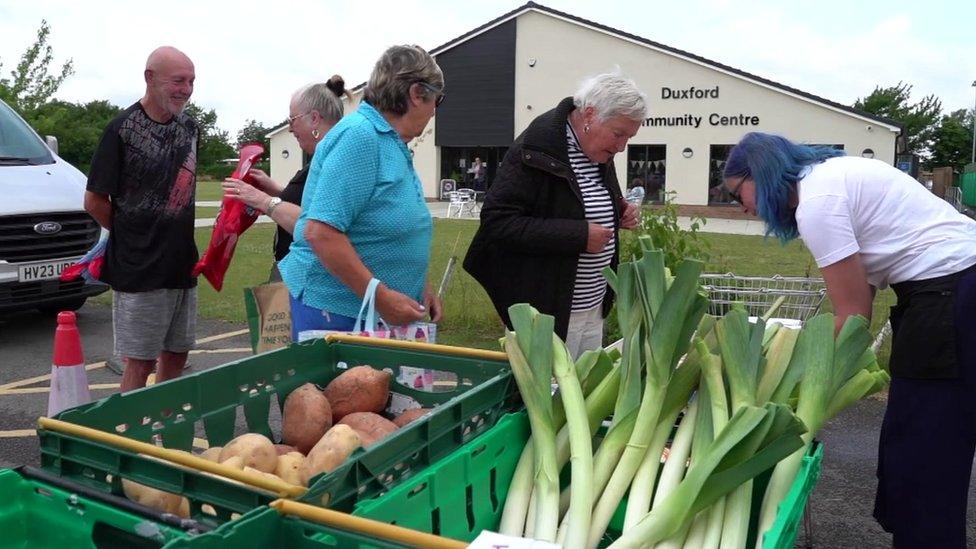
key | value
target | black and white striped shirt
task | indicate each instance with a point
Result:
(590, 285)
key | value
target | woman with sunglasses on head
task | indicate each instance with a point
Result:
(313, 110)
(868, 226)
(364, 222)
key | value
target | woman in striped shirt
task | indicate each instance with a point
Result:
(550, 219)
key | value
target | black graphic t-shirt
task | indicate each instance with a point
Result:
(149, 171)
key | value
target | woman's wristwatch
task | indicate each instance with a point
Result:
(272, 204)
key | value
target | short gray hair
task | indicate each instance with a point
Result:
(396, 70)
(611, 94)
(323, 98)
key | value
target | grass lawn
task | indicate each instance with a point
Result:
(209, 189)
(207, 212)
(470, 320)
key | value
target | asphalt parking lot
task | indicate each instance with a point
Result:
(840, 506)
(26, 347)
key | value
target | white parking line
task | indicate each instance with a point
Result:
(18, 433)
(45, 377)
(101, 364)
(33, 390)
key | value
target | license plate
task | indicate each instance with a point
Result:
(42, 271)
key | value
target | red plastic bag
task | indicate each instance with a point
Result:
(89, 267)
(234, 218)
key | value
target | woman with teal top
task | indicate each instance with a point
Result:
(364, 216)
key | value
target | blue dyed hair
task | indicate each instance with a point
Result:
(774, 163)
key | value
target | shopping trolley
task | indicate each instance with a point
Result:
(800, 297)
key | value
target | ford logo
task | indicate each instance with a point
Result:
(47, 227)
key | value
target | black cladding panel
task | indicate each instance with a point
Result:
(479, 109)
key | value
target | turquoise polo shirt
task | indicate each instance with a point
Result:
(363, 183)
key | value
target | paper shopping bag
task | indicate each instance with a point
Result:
(268, 316)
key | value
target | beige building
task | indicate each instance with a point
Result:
(503, 74)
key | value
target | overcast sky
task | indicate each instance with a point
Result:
(250, 56)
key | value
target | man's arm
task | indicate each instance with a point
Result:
(99, 206)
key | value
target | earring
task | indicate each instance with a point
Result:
(316, 133)
(586, 128)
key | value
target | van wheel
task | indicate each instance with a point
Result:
(68, 305)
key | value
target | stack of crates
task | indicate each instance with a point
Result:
(440, 480)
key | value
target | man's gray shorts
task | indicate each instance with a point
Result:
(147, 323)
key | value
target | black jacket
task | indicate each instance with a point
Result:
(533, 225)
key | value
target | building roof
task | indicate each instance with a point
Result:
(533, 6)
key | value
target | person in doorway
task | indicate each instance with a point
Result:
(477, 172)
(364, 216)
(141, 188)
(868, 226)
(312, 112)
(550, 220)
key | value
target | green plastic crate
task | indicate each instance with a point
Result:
(264, 528)
(37, 511)
(207, 404)
(465, 493)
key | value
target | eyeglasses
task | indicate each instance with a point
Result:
(292, 119)
(439, 92)
(735, 194)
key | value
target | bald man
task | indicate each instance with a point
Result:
(141, 188)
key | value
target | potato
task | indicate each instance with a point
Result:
(261, 473)
(358, 389)
(330, 452)
(410, 415)
(305, 417)
(370, 427)
(184, 511)
(212, 453)
(289, 468)
(236, 462)
(159, 500)
(283, 449)
(255, 450)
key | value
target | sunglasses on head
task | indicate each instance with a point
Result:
(438, 92)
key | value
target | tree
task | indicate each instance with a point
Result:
(254, 132)
(30, 84)
(214, 142)
(953, 140)
(77, 126)
(919, 119)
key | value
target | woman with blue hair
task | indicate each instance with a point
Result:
(868, 226)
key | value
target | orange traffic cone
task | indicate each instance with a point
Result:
(69, 380)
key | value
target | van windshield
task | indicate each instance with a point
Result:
(19, 145)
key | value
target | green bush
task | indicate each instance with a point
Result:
(661, 224)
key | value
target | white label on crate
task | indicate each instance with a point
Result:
(399, 403)
(492, 540)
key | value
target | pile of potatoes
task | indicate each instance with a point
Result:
(320, 430)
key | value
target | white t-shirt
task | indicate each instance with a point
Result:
(903, 232)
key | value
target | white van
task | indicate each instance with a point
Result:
(43, 223)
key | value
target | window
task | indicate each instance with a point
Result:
(718, 154)
(716, 164)
(647, 167)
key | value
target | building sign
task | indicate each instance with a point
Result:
(695, 121)
(690, 93)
